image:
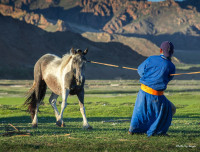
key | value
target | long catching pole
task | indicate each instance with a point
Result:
(117, 66)
(186, 73)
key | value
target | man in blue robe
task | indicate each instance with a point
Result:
(153, 112)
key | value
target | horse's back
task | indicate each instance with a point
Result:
(48, 66)
(48, 60)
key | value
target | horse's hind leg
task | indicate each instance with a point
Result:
(82, 109)
(52, 101)
(35, 119)
(40, 91)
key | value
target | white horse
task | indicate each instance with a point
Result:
(63, 76)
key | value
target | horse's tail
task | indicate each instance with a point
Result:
(37, 92)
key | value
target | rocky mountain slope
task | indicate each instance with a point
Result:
(22, 44)
(156, 22)
(123, 16)
(115, 31)
(32, 18)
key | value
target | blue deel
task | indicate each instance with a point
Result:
(153, 114)
(155, 72)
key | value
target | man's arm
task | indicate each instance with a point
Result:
(172, 71)
(142, 67)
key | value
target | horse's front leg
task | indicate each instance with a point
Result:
(60, 121)
(82, 109)
(52, 101)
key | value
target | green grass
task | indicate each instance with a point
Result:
(187, 66)
(104, 101)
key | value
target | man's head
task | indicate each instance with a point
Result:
(167, 48)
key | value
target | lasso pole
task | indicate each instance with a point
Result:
(117, 66)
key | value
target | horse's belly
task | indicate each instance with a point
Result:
(53, 84)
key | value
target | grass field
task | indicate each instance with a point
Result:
(111, 101)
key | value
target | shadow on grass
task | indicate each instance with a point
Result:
(47, 125)
(188, 116)
(183, 91)
(47, 119)
(188, 133)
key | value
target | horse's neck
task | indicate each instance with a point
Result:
(66, 74)
(66, 65)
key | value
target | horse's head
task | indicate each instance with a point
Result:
(78, 65)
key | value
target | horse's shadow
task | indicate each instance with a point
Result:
(49, 119)
(47, 124)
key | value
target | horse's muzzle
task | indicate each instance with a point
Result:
(79, 81)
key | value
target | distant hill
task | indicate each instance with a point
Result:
(122, 32)
(22, 44)
(156, 22)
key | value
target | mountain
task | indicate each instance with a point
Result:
(154, 21)
(122, 32)
(23, 44)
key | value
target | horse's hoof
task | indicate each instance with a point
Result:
(87, 127)
(34, 126)
(90, 128)
(60, 124)
(63, 125)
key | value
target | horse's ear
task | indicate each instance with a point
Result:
(85, 52)
(72, 51)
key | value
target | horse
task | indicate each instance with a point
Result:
(63, 76)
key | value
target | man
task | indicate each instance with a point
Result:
(153, 112)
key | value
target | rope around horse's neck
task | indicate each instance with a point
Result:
(117, 66)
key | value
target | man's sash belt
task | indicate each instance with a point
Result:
(151, 91)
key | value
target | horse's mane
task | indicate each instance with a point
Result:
(65, 60)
